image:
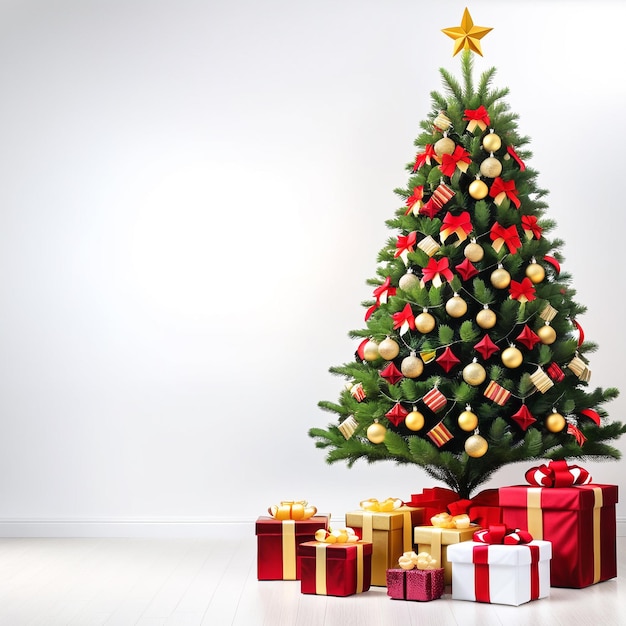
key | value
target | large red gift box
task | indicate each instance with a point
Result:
(483, 509)
(335, 569)
(277, 542)
(578, 520)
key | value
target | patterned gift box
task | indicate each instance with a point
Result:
(500, 574)
(422, 585)
(391, 534)
(437, 541)
(335, 569)
(277, 542)
(483, 509)
(578, 520)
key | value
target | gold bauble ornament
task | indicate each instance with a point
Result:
(478, 189)
(468, 421)
(535, 272)
(492, 142)
(491, 167)
(376, 432)
(512, 357)
(425, 322)
(412, 366)
(500, 278)
(473, 252)
(445, 145)
(388, 348)
(370, 351)
(476, 446)
(456, 306)
(486, 318)
(474, 374)
(547, 334)
(414, 420)
(408, 280)
(555, 422)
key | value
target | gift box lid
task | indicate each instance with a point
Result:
(499, 554)
(577, 497)
(391, 520)
(343, 551)
(270, 526)
(424, 534)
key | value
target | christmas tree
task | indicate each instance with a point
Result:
(472, 356)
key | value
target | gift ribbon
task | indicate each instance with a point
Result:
(416, 198)
(557, 474)
(405, 244)
(411, 560)
(381, 293)
(292, 510)
(501, 188)
(500, 534)
(321, 553)
(459, 225)
(531, 226)
(501, 235)
(425, 157)
(523, 291)
(435, 270)
(477, 117)
(459, 158)
(289, 549)
(404, 320)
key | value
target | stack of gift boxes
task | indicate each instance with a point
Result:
(505, 546)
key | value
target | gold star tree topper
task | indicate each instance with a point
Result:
(467, 35)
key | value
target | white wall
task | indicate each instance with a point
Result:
(192, 197)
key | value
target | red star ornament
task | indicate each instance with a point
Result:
(528, 338)
(523, 417)
(486, 348)
(466, 269)
(397, 414)
(447, 360)
(391, 374)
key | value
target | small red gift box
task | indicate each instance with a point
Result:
(335, 569)
(483, 509)
(277, 542)
(578, 520)
(422, 585)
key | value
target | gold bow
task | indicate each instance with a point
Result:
(343, 535)
(445, 520)
(385, 506)
(423, 560)
(295, 510)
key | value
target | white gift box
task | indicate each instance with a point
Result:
(500, 574)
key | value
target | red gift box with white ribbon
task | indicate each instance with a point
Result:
(577, 516)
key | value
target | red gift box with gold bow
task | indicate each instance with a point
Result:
(278, 536)
(561, 506)
(483, 509)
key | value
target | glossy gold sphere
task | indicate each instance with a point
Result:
(425, 322)
(456, 307)
(491, 167)
(408, 280)
(476, 446)
(500, 278)
(478, 189)
(370, 351)
(473, 252)
(376, 432)
(512, 357)
(555, 422)
(474, 374)
(414, 420)
(445, 145)
(468, 421)
(412, 366)
(535, 272)
(486, 319)
(547, 334)
(388, 349)
(492, 142)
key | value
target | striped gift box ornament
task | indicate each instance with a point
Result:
(497, 393)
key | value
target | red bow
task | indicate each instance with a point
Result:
(509, 236)
(404, 320)
(406, 243)
(477, 117)
(459, 225)
(500, 534)
(531, 227)
(435, 270)
(524, 291)
(577, 434)
(459, 158)
(557, 474)
(411, 201)
(381, 293)
(501, 188)
(424, 157)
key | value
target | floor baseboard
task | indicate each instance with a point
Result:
(187, 528)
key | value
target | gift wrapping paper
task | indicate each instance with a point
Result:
(391, 534)
(579, 521)
(277, 542)
(500, 574)
(421, 585)
(437, 541)
(335, 569)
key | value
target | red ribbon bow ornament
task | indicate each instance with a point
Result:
(500, 534)
(557, 474)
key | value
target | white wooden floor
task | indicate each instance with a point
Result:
(150, 582)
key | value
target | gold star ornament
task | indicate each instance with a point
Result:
(467, 36)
